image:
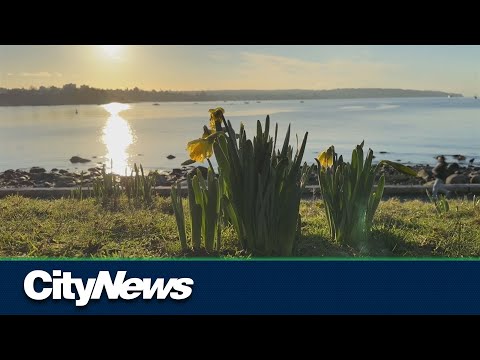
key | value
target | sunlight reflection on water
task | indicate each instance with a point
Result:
(117, 137)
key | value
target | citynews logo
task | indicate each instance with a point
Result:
(61, 285)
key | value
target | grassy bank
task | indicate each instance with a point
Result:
(72, 228)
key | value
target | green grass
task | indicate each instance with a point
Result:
(73, 228)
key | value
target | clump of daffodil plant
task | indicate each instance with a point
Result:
(348, 193)
(204, 211)
(260, 186)
(204, 197)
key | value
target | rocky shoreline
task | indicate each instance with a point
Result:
(38, 177)
(458, 175)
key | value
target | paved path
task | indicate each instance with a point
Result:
(390, 190)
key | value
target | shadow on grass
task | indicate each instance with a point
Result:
(387, 240)
(385, 243)
(310, 246)
(222, 254)
(314, 245)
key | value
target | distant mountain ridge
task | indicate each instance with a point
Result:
(345, 93)
(70, 94)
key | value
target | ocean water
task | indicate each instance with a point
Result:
(409, 130)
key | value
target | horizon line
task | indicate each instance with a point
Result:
(248, 89)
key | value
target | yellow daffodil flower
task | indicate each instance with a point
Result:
(216, 117)
(326, 158)
(200, 149)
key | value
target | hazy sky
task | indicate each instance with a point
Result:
(200, 67)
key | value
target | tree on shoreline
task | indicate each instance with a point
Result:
(71, 94)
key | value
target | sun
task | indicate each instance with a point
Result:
(112, 51)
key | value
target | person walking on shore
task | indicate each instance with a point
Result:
(440, 172)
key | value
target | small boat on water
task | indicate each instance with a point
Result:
(301, 101)
(246, 102)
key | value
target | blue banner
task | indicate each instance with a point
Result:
(239, 287)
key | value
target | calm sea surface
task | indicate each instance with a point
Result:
(412, 130)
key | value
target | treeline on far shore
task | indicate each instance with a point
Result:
(71, 94)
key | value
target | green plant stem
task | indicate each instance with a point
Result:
(210, 165)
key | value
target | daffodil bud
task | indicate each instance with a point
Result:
(326, 157)
(216, 118)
